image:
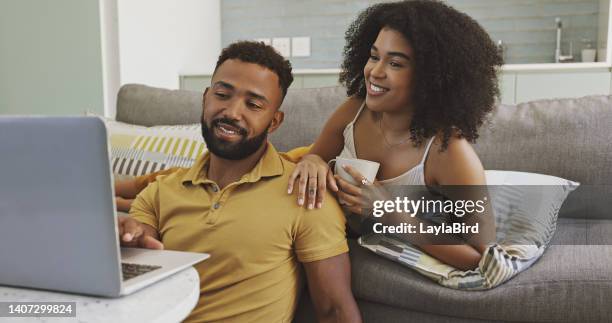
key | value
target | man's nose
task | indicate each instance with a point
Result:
(233, 110)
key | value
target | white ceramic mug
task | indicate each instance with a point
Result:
(367, 168)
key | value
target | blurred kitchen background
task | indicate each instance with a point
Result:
(526, 28)
(69, 56)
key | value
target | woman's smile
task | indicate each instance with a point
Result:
(375, 90)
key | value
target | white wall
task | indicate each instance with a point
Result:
(110, 55)
(160, 39)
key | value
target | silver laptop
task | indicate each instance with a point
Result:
(58, 226)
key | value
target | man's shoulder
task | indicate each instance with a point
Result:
(288, 164)
(330, 205)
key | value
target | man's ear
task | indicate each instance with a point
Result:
(277, 120)
(204, 96)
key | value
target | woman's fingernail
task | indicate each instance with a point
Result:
(319, 205)
(300, 201)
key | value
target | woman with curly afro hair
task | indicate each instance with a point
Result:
(421, 77)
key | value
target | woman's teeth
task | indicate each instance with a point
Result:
(377, 89)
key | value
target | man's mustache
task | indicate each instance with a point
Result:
(229, 122)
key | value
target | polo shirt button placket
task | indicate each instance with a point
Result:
(214, 213)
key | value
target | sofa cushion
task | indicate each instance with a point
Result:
(576, 231)
(150, 106)
(306, 111)
(547, 136)
(568, 138)
(569, 283)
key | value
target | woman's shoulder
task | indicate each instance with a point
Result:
(455, 145)
(457, 164)
(347, 111)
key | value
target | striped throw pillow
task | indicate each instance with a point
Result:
(525, 225)
(137, 150)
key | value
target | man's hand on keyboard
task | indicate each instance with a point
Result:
(135, 234)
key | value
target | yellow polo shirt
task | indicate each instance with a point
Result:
(254, 231)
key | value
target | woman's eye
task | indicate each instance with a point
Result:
(374, 57)
(394, 64)
(221, 95)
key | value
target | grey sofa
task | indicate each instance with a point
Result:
(569, 138)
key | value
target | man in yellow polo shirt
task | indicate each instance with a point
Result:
(233, 205)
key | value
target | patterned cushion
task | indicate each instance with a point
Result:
(525, 224)
(137, 150)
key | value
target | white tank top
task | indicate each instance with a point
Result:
(414, 176)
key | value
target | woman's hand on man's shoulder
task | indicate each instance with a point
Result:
(311, 175)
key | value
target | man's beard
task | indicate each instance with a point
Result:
(232, 151)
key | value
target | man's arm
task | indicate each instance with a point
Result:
(140, 229)
(329, 283)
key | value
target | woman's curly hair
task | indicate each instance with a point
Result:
(455, 60)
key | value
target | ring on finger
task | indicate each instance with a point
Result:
(345, 203)
(364, 181)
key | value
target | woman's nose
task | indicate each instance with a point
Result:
(378, 70)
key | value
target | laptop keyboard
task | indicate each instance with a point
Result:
(134, 270)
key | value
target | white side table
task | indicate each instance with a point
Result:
(169, 300)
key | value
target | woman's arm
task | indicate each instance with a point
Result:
(123, 205)
(459, 165)
(126, 190)
(312, 171)
(454, 252)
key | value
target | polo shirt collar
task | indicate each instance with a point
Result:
(269, 165)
